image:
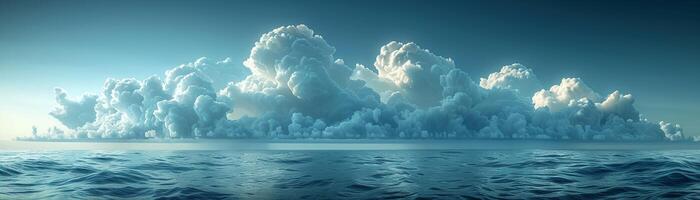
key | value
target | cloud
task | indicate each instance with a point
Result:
(293, 86)
(407, 70)
(621, 105)
(671, 131)
(294, 70)
(516, 77)
(72, 113)
(566, 94)
(218, 73)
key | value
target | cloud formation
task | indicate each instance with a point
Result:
(74, 114)
(409, 71)
(516, 77)
(293, 86)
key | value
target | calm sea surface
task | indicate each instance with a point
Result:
(348, 174)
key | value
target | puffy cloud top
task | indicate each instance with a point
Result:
(620, 105)
(294, 71)
(516, 77)
(292, 86)
(408, 70)
(402, 63)
(567, 93)
(283, 49)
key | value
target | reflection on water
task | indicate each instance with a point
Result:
(339, 174)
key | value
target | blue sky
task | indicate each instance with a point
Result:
(649, 48)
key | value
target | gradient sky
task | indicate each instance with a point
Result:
(650, 49)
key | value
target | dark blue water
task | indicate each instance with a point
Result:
(391, 174)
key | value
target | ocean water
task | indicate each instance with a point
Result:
(349, 174)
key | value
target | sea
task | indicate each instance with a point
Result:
(254, 169)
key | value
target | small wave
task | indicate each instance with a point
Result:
(22, 184)
(541, 191)
(406, 168)
(503, 180)
(289, 160)
(395, 194)
(675, 194)
(6, 171)
(553, 156)
(210, 164)
(301, 182)
(560, 180)
(165, 166)
(119, 192)
(381, 175)
(490, 158)
(435, 157)
(82, 170)
(377, 160)
(188, 193)
(495, 164)
(610, 192)
(641, 165)
(175, 157)
(535, 164)
(593, 171)
(105, 158)
(33, 164)
(676, 178)
(361, 187)
(109, 177)
(382, 160)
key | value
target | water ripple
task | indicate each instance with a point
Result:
(119, 192)
(187, 193)
(468, 174)
(109, 177)
(166, 166)
(7, 171)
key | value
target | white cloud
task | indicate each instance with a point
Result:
(566, 94)
(72, 113)
(412, 71)
(292, 86)
(621, 105)
(515, 77)
(671, 131)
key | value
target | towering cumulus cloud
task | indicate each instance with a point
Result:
(293, 86)
(409, 71)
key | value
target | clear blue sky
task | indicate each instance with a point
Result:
(648, 48)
